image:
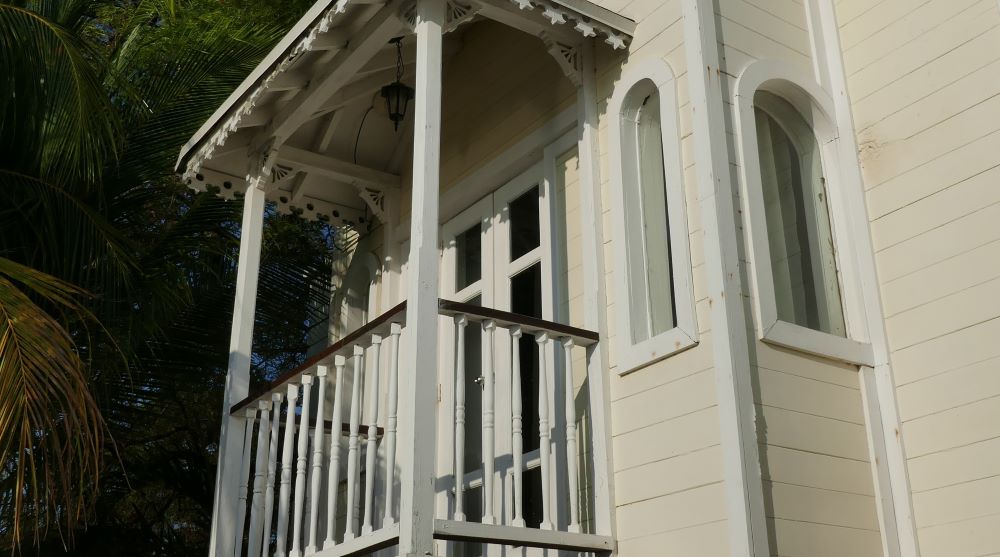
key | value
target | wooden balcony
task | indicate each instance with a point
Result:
(320, 473)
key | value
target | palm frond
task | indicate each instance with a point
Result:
(51, 432)
(80, 245)
(56, 119)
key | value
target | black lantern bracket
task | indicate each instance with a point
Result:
(397, 95)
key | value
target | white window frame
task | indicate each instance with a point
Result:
(798, 88)
(684, 334)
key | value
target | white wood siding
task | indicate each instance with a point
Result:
(924, 81)
(494, 96)
(670, 494)
(818, 481)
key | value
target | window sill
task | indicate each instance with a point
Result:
(818, 343)
(634, 357)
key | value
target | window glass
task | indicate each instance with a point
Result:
(526, 299)
(648, 238)
(803, 264)
(468, 257)
(525, 233)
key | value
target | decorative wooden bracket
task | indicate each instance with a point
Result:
(375, 199)
(457, 12)
(280, 175)
(587, 27)
(262, 160)
(567, 56)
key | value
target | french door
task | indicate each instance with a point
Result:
(497, 254)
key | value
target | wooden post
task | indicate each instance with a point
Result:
(416, 536)
(595, 305)
(223, 536)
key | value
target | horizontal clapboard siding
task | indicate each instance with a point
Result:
(818, 488)
(670, 493)
(924, 81)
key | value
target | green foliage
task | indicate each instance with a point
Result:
(116, 281)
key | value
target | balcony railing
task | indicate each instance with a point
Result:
(305, 489)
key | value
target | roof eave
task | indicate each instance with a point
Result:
(298, 32)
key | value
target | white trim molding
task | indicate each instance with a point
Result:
(799, 88)
(684, 334)
(886, 450)
(744, 491)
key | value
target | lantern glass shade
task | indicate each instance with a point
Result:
(397, 96)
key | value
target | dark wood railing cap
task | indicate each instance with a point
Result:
(506, 319)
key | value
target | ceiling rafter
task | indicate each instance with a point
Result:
(225, 121)
(357, 90)
(334, 39)
(321, 142)
(371, 38)
(354, 174)
(289, 80)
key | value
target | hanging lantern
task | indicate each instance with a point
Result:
(397, 95)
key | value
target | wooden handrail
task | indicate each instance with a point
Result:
(397, 313)
(528, 324)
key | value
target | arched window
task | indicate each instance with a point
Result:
(656, 315)
(647, 246)
(806, 286)
(803, 262)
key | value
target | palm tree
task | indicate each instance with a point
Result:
(114, 279)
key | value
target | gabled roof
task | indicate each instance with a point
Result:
(318, 67)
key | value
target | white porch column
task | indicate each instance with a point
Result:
(238, 377)
(419, 405)
(595, 305)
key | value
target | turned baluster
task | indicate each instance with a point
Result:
(301, 464)
(571, 456)
(284, 493)
(319, 436)
(542, 340)
(272, 463)
(489, 443)
(253, 544)
(241, 509)
(460, 322)
(371, 446)
(516, 425)
(390, 422)
(334, 470)
(352, 443)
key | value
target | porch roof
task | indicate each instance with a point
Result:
(311, 94)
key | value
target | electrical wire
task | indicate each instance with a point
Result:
(357, 138)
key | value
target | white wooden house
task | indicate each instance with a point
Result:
(638, 277)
